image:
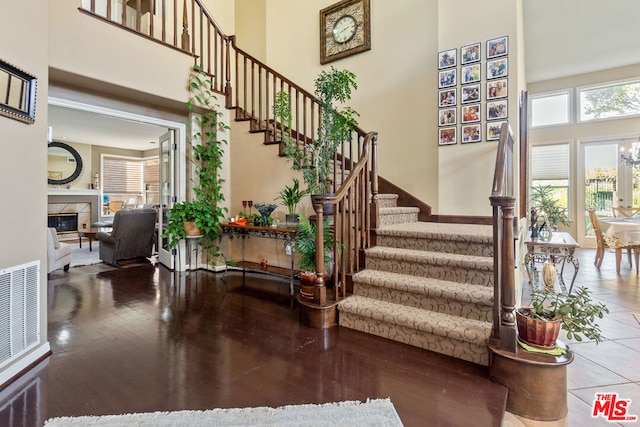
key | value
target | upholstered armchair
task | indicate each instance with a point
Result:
(133, 236)
(58, 253)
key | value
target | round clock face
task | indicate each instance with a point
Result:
(344, 29)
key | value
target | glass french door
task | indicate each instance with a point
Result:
(607, 182)
(168, 179)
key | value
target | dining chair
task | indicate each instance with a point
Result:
(625, 212)
(602, 245)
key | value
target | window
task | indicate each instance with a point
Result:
(605, 102)
(550, 109)
(130, 180)
(550, 167)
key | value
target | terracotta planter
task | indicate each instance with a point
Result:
(191, 229)
(307, 283)
(535, 332)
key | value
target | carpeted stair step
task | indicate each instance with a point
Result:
(387, 200)
(444, 266)
(397, 215)
(463, 239)
(457, 299)
(451, 335)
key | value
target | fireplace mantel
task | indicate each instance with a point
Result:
(65, 200)
(72, 192)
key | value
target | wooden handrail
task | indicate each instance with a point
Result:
(250, 87)
(503, 334)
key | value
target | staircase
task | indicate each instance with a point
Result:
(426, 284)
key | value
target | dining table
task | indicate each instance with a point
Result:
(621, 232)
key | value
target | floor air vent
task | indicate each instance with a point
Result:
(19, 310)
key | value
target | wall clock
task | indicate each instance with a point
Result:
(345, 29)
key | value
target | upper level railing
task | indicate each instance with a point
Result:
(250, 87)
(503, 201)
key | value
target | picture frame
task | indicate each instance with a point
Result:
(497, 89)
(471, 133)
(497, 68)
(54, 175)
(447, 97)
(470, 73)
(497, 110)
(447, 59)
(470, 113)
(447, 116)
(470, 93)
(17, 93)
(493, 130)
(447, 136)
(497, 47)
(447, 78)
(470, 53)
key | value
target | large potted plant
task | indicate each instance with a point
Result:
(291, 196)
(550, 311)
(314, 159)
(205, 207)
(545, 203)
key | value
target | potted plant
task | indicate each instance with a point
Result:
(314, 159)
(576, 313)
(291, 196)
(542, 198)
(205, 208)
(305, 247)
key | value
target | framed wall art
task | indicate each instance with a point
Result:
(493, 130)
(447, 97)
(447, 136)
(470, 53)
(17, 93)
(497, 68)
(497, 89)
(497, 109)
(447, 78)
(471, 133)
(470, 73)
(470, 93)
(447, 59)
(447, 117)
(497, 47)
(470, 113)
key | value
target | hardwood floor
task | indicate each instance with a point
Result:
(143, 339)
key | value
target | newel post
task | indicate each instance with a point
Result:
(375, 207)
(504, 319)
(320, 291)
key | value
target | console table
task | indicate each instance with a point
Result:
(287, 235)
(560, 247)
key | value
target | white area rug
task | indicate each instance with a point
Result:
(81, 255)
(376, 412)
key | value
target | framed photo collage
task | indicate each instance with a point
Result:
(462, 74)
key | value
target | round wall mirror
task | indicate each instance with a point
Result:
(64, 163)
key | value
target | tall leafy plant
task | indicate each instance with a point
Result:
(314, 159)
(207, 148)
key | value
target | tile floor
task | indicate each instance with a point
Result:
(613, 366)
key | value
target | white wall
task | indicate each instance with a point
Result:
(23, 163)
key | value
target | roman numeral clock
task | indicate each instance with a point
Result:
(345, 29)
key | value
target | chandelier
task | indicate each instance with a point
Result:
(630, 158)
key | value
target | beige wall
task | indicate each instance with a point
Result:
(23, 164)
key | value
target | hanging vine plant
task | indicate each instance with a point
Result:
(207, 149)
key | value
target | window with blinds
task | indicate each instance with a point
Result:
(122, 176)
(550, 167)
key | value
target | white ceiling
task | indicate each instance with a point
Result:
(561, 38)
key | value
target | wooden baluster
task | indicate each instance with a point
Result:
(123, 15)
(185, 28)
(228, 88)
(93, 7)
(375, 209)
(151, 16)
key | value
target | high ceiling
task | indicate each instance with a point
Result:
(561, 37)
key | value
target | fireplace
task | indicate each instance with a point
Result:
(63, 222)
